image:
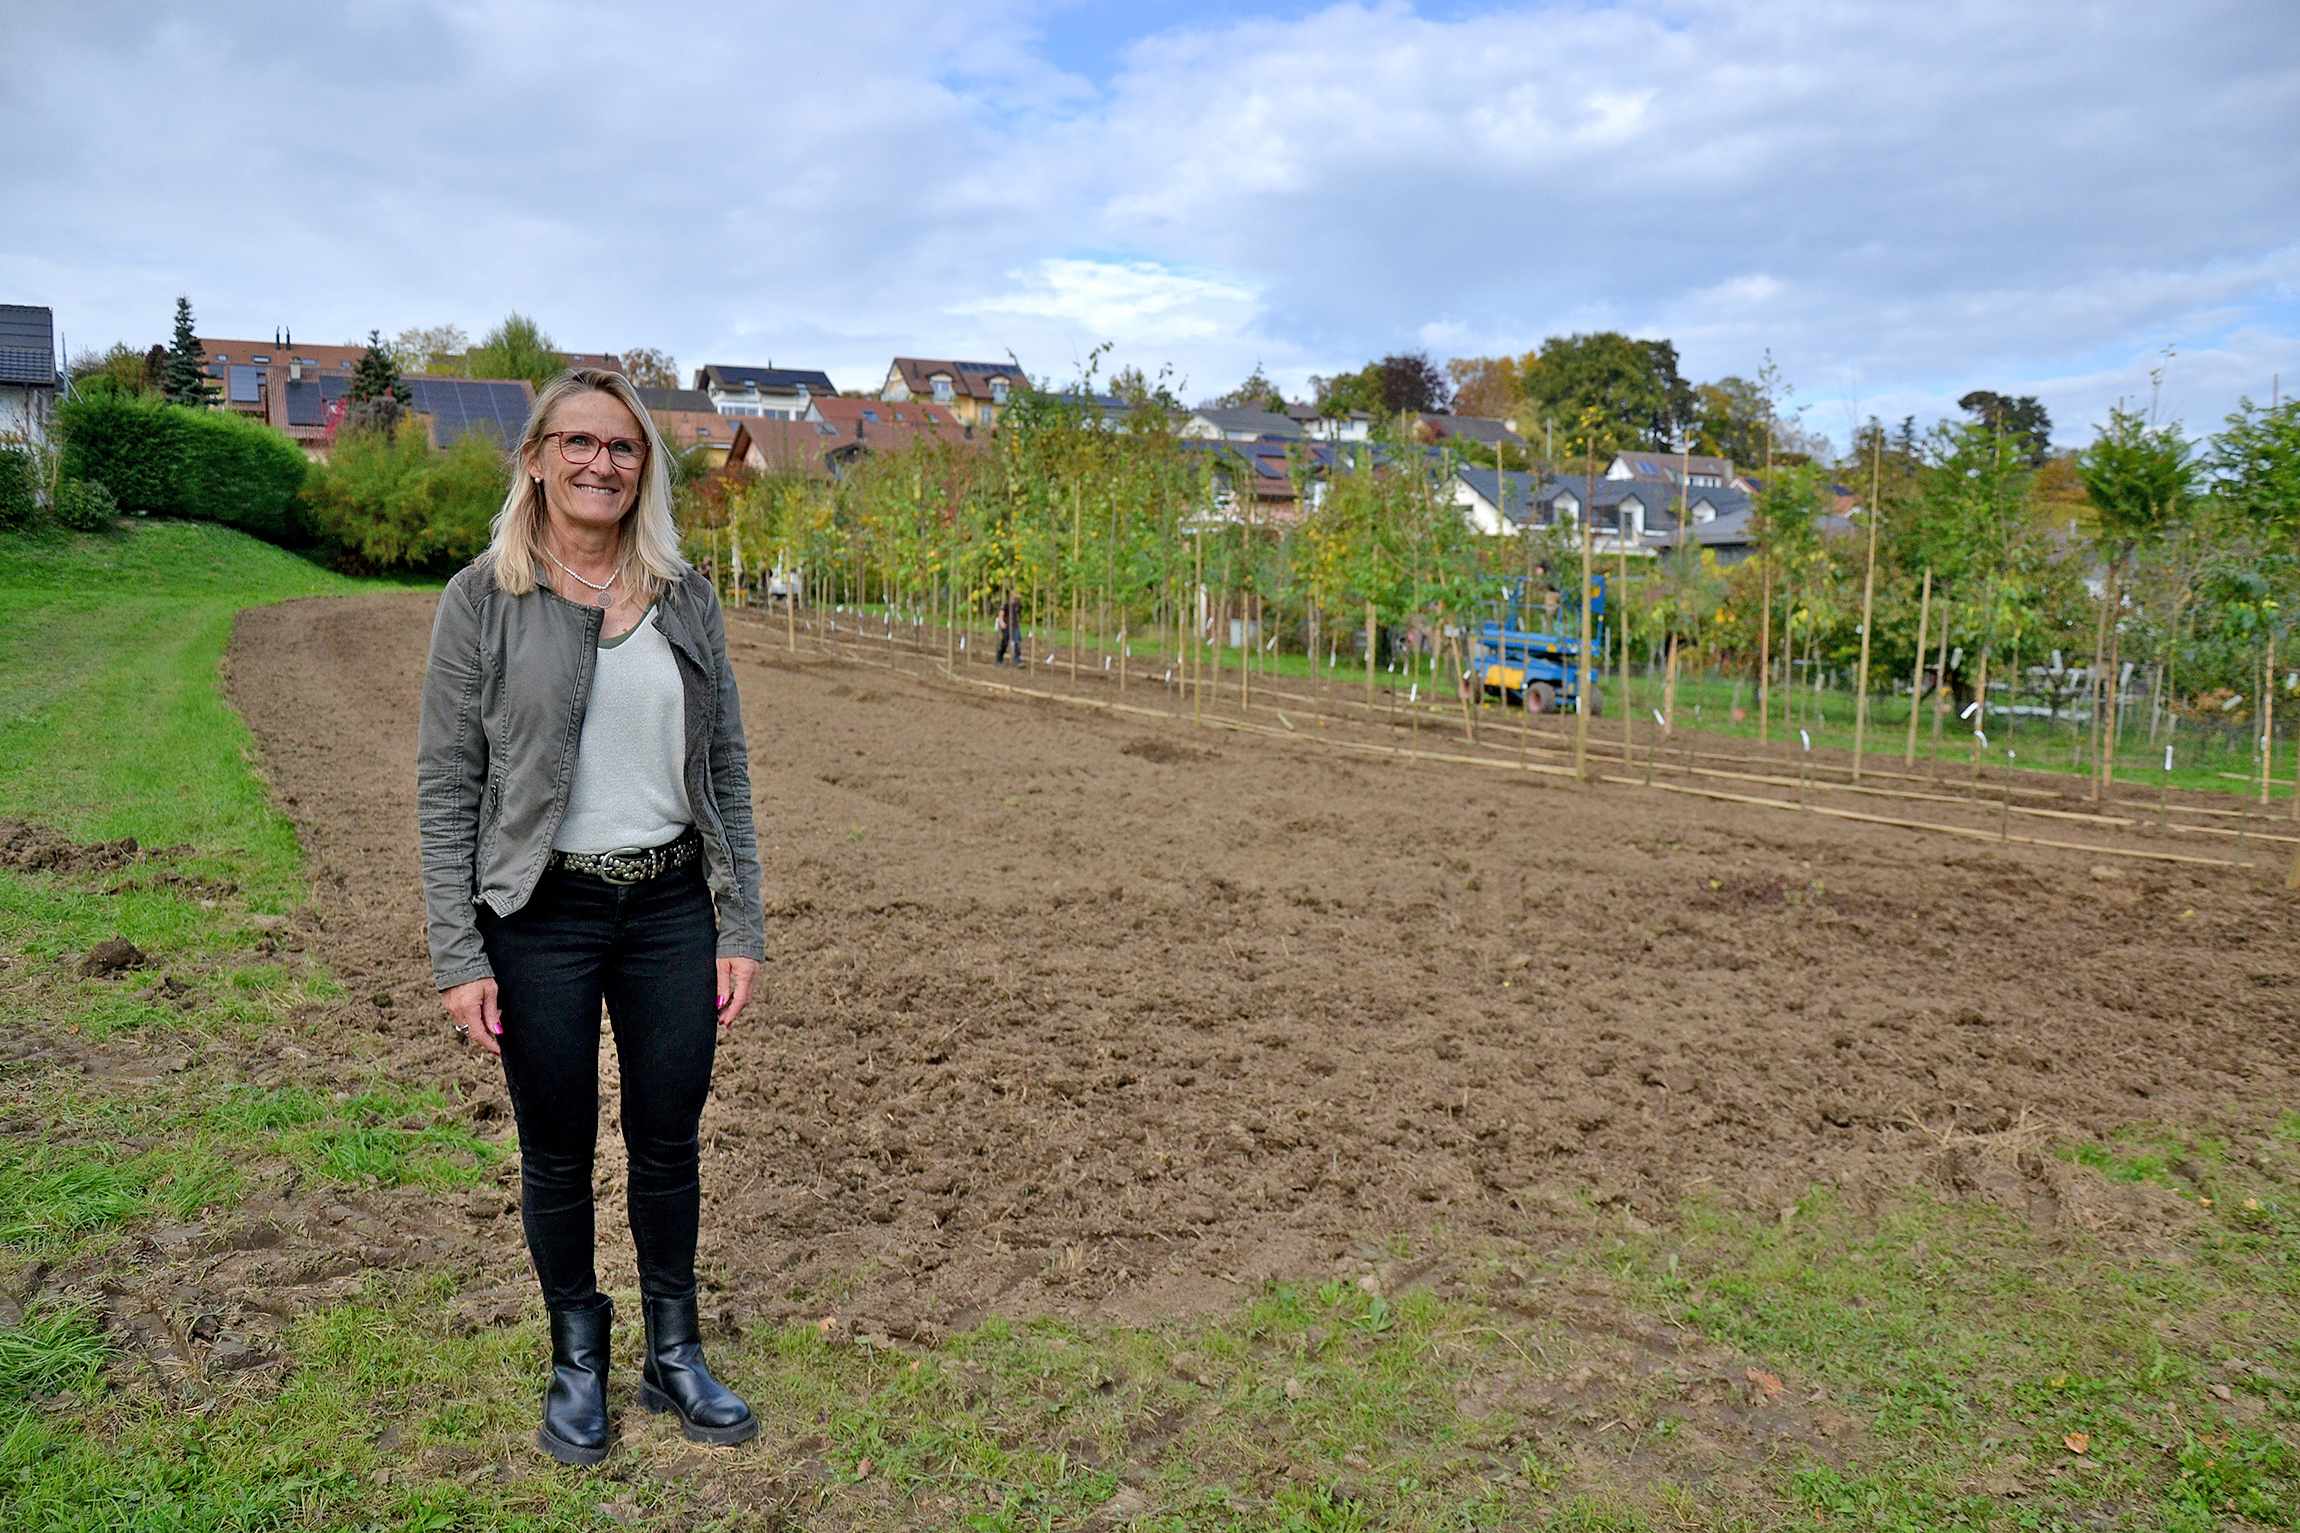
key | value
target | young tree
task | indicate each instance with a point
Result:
(185, 374)
(2139, 480)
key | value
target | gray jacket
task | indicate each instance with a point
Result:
(503, 701)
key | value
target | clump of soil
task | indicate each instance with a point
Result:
(1163, 752)
(110, 957)
(1047, 1026)
(28, 848)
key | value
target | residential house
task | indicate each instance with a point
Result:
(1497, 504)
(765, 393)
(1482, 430)
(1274, 499)
(786, 448)
(1697, 471)
(302, 390)
(883, 423)
(248, 374)
(1212, 423)
(687, 417)
(975, 392)
(27, 371)
(1356, 426)
(1645, 510)
(840, 432)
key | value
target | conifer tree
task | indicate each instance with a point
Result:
(376, 375)
(184, 378)
(377, 397)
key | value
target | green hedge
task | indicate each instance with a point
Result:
(19, 486)
(209, 464)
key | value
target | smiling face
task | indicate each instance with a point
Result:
(587, 500)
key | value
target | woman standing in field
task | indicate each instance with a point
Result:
(585, 802)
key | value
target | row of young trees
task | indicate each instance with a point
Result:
(2164, 564)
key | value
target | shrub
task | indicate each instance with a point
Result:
(19, 486)
(163, 458)
(386, 501)
(85, 505)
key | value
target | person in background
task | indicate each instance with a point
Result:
(1009, 629)
(585, 803)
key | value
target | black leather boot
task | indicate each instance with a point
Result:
(575, 1406)
(677, 1380)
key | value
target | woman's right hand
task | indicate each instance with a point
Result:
(477, 1016)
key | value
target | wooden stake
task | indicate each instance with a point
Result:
(1868, 601)
(1369, 655)
(2268, 721)
(1581, 653)
(1621, 629)
(1917, 668)
(1940, 693)
(1765, 605)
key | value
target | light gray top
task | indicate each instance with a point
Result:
(630, 789)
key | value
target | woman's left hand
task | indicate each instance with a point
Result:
(736, 975)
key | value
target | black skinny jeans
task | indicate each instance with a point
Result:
(650, 952)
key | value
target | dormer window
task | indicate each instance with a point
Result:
(998, 391)
(942, 394)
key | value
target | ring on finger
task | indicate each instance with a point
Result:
(462, 1029)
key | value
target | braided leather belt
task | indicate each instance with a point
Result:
(632, 867)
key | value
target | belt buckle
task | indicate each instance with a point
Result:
(612, 872)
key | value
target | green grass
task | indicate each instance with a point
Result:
(111, 723)
(1592, 1378)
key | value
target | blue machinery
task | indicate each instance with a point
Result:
(1514, 662)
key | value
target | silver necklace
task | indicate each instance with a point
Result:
(571, 575)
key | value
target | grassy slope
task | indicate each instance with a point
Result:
(1966, 1350)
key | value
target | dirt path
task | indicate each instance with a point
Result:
(1072, 1012)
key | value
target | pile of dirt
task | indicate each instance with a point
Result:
(28, 848)
(1071, 1012)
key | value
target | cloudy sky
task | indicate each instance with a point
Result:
(1901, 202)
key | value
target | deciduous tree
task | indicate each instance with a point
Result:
(1633, 385)
(517, 348)
(650, 369)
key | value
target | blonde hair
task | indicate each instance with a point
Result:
(649, 562)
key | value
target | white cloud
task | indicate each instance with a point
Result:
(1930, 199)
(1128, 302)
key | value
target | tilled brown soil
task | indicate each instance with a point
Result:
(1073, 1012)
